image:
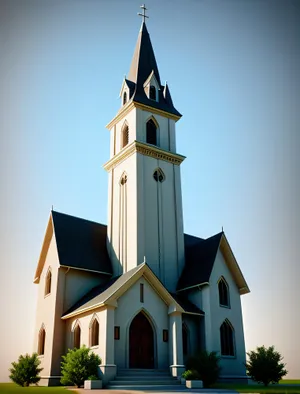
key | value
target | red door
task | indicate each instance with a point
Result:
(141, 343)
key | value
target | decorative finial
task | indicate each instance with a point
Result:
(143, 15)
(52, 208)
(144, 262)
(222, 230)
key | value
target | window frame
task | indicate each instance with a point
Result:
(94, 339)
(48, 283)
(223, 293)
(227, 330)
(41, 341)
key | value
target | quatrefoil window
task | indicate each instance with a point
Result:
(158, 175)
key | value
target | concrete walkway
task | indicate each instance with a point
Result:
(181, 390)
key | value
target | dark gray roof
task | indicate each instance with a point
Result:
(81, 243)
(200, 255)
(187, 305)
(142, 64)
(102, 292)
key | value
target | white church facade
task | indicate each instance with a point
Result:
(139, 292)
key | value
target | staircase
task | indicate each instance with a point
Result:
(144, 379)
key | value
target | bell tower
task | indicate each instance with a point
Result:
(145, 221)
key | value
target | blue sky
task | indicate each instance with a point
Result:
(233, 71)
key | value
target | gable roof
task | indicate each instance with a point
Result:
(200, 255)
(109, 293)
(81, 244)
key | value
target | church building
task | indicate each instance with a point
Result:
(140, 292)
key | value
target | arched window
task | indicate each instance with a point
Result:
(94, 333)
(185, 339)
(151, 131)
(41, 341)
(158, 175)
(227, 340)
(77, 334)
(223, 292)
(123, 179)
(48, 283)
(152, 93)
(124, 98)
(124, 136)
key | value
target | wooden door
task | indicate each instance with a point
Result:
(141, 343)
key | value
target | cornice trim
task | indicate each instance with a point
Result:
(132, 104)
(146, 150)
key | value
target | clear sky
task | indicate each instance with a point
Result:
(233, 71)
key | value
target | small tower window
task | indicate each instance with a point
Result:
(185, 339)
(141, 292)
(125, 137)
(124, 98)
(41, 342)
(48, 283)
(151, 133)
(152, 93)
(158, 175)
(77, 334)
(223, 293)
(95, 333)
(227, 341)
(123, 179)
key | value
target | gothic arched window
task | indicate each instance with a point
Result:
(151, 132)
(48, 283)
(41, 341)
(227, 340)
(124, 98)
(77, 335)
(158, 175)
(223, 292)
(124, 136)
(152, 93)
(94, 333)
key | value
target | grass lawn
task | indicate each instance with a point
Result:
(289, 381)
(11, 388)
(255, 388)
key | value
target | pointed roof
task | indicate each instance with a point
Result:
(143, 65)
(200, 256)
(81, 244)
(143, 61)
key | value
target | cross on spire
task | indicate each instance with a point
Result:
(143, 15)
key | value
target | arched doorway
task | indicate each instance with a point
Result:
(141, 343)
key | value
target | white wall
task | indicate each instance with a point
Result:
(230, 365)
(45, 313)
(128, 306)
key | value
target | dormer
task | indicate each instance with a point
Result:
(152, 87)
(126, 92)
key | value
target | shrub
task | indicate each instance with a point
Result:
(78, 365)
(93, 377)
(265, 366)
(190, 374)
(207, 367)
(26, 370)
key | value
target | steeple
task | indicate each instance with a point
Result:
(143, 81)
(143, 61)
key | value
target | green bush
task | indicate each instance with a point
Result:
(78, 365)
(265, 366)
(26, 370)
(207, 367)
(93, 377)
(190, 374)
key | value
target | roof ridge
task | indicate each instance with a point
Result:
(77, 217)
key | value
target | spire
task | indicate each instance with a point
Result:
(167, 95)
(143, 61)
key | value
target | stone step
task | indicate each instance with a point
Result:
(144, 382)
(144, 377)
(143, 372)
(150, 387)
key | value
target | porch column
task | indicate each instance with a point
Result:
(108, 369)
(176, 351)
